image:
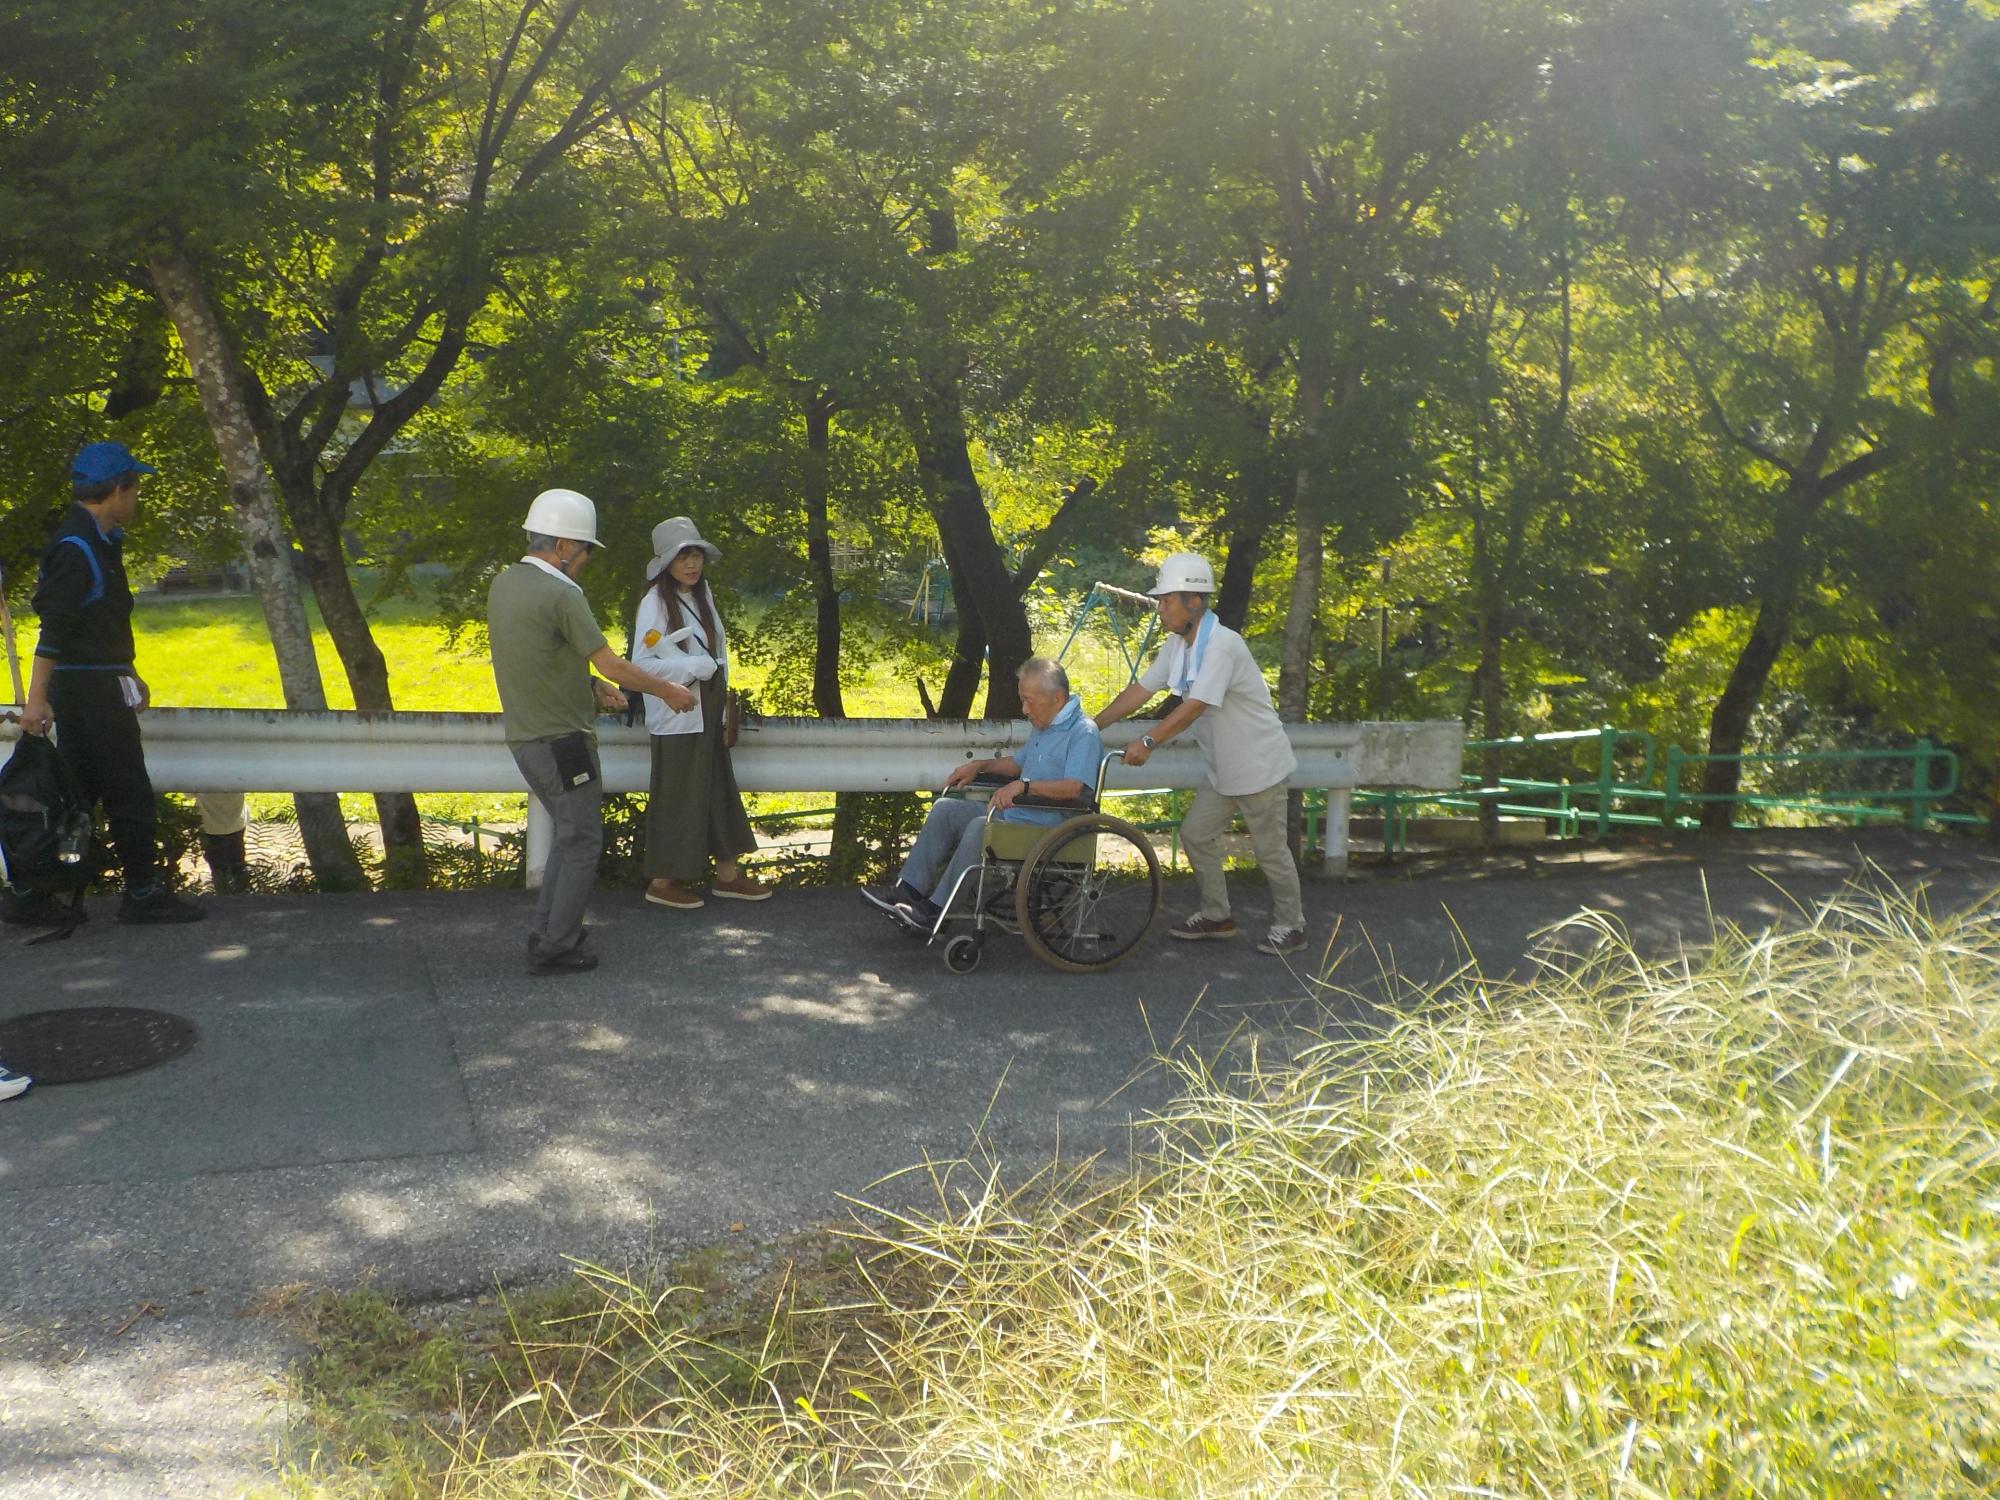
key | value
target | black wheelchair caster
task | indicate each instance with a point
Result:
(962, 953)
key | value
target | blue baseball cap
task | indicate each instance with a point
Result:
(100, 463)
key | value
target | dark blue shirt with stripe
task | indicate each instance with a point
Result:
(83, 598)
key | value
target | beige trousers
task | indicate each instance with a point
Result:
(1264, 819)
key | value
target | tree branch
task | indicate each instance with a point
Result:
(1742, 439)
(1044, 546)
(1856, 469)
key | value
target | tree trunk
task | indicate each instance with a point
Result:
(1309, 511)
(980, 580)
(849, 860)
(1302, 614)
(1729, 724)
(1489, 684)
(1239, 572)
(968, 657)
(1492, 706)
(819, 555)
(367, 677)
(219, 377)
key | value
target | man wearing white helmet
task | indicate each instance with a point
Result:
(544, 641)
(1227, 703)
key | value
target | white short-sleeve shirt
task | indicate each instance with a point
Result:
(1241, 737)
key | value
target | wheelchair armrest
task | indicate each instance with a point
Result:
(979, 789)
(1070, 805)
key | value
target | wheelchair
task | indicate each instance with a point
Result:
(1082, 893)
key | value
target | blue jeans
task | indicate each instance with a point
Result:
(947, 847)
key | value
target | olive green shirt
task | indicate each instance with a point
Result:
(543, 636)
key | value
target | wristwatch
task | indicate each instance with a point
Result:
(1027, 787)
(1147, 740)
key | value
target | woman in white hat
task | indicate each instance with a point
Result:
(695, 813)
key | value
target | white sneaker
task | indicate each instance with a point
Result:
(12, 1083)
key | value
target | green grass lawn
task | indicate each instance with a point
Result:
(215, 653)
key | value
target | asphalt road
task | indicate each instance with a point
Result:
(378, 1090)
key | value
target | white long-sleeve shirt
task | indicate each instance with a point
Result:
(685, 655)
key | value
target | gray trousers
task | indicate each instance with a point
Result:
(578, 815)
(1264, 818)
(946, 848)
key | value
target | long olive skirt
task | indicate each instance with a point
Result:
(695, 812)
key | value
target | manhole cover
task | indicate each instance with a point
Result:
(97, 1041)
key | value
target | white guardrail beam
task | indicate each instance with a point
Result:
(278, 750)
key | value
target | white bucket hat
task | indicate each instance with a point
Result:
(671, 538)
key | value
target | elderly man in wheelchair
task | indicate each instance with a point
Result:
(1034, 854)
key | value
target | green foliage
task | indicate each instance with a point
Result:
(622, 863)
(1624, 321)
(871, 833)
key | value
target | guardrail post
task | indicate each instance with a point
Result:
(1673, 786)
(1920, 783)
(1333, 852)
(541, 834)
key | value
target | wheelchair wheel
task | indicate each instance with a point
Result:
(1088, 893)
(961, 954)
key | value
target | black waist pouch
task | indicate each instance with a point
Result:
(574, 766)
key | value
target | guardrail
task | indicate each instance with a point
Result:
(278, 750)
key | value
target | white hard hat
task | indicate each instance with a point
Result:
(1184, 573)
(563, 513)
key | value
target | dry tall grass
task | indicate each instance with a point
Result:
(1726, 1226)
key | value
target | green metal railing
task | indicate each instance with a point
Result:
(1911, 805)
(1609, 800)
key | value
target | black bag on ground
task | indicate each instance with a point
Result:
(45, 832)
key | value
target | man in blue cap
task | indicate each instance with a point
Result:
(84, 684)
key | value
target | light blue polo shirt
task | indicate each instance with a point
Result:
(1068, 750)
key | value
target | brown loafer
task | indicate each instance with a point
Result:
(742, 888)
(1198, 928)
(675, 893)
(1283, 940)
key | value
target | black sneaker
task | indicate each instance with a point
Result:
(38, 910)
(891, 898)
(157, 905)
(577, 960)
(920, 915)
